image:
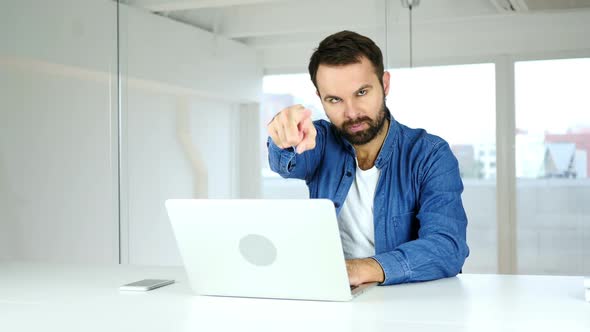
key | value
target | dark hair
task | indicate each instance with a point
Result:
(344, 48)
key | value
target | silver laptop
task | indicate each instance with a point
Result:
(288, 249)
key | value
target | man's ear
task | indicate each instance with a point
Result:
(386, 77)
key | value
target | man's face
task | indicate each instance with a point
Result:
(353, 99)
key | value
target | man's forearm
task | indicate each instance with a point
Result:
(364, 270)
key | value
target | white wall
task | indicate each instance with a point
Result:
(159, 166)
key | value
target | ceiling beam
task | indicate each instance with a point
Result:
(304, 17)
(306, 39)
(177, 5)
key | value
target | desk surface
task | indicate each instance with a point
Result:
(54, 297)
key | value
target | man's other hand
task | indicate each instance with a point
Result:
(292, 127)
(364, 270)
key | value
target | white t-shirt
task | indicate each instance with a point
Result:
(355, 220)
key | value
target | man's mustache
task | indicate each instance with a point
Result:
(350, 123)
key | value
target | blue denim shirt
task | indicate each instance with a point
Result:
(419, 220)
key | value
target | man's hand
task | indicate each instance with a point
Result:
(364, 270)
(292, 127)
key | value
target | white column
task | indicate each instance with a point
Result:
(506, 166)
(248, 155)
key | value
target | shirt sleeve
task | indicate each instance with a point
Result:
(441, 247)
(288, 164)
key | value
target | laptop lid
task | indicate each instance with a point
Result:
(287, 249)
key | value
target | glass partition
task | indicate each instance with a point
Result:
(58, 131)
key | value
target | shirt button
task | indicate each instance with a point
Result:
(336, 205)
(348, 173)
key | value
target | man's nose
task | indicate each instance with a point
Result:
(351, 110)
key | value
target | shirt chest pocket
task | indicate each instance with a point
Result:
(404, 228)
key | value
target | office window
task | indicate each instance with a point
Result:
(552, 168)
(458, 103)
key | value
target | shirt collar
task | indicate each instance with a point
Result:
(389, 143)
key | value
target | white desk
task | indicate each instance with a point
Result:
(51, 297)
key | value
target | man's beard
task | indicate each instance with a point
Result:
(367, 135)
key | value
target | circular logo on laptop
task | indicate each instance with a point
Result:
(258, 250)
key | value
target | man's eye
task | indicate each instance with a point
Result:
(333, 100)
(362, 92)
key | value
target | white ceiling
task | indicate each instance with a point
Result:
(260, 22)
(251, 20)
(280, 28)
